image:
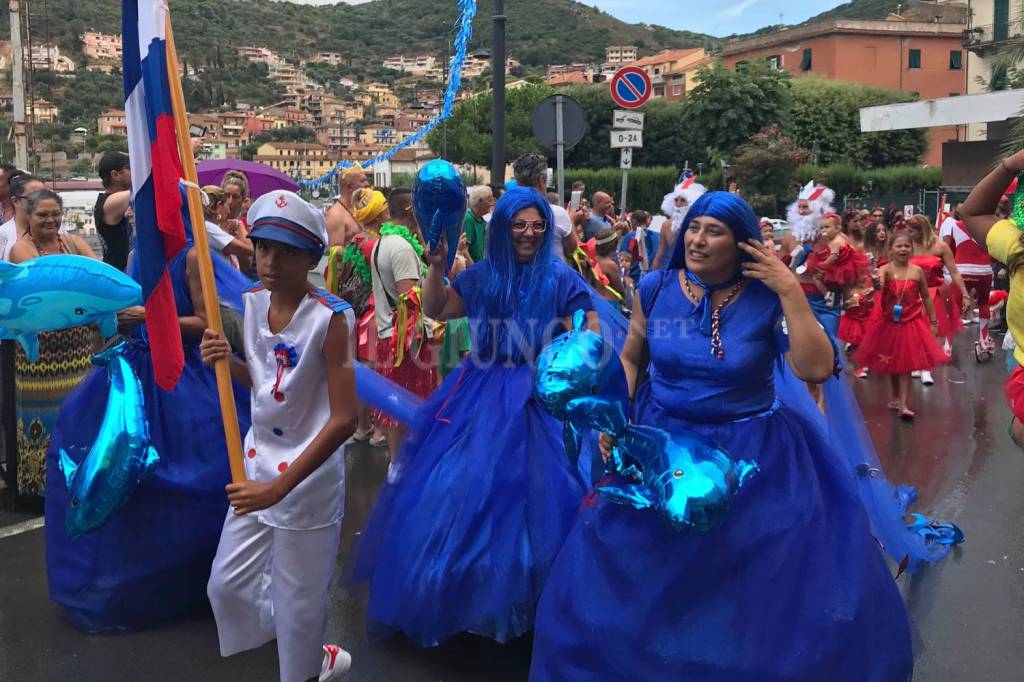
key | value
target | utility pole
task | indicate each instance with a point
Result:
(18, 83)
(498, 84)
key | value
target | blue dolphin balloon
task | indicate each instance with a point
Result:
(386, 395)
(57, 292)
(120, 457)
(439, 202)
(685, 476)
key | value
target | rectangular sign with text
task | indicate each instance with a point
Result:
(627, 138)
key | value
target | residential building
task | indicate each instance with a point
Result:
(658, 66)
(360, 152)
(382, 95)
(113, 122)
(297, 160)
(103, 67)
(258, 123)
(416, 66)
(620, 54)
(569, 74)
(991, 25)
(901, 53)
(48, 57)
(43, 112)
(103, 46)
(260, 54)
(232, 127)
(332, 58)
(378, 134)
(213, 149)
(682, 77)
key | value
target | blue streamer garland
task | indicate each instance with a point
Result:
(467, 9)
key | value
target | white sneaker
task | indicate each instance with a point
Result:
(926, 378)
(337, 661)
(915, 374)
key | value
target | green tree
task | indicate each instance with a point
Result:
(826, 113)
(766, 168)
(469, 128)
(728, 106)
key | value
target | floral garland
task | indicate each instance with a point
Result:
(354, 255)
(389, 229)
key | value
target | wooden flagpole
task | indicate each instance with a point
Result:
(195, 210)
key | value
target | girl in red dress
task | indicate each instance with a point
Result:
(932, 254)
(899, 341)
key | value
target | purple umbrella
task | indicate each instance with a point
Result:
(262, 178)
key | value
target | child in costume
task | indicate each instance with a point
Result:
(900, 341)
(279, 545)
(791, 586)
(1002, 238)
(482, 494)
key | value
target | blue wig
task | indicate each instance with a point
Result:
(726, 207)
(519, 292)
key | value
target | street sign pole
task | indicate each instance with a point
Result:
(625, 179)
(560, 147)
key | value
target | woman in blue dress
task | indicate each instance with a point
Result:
(149, 563)
(481, 495)
(792, 586)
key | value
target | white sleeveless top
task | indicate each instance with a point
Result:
(290, 406)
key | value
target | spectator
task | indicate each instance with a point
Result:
(531, 170)
(602, 214)
(641, 243)
(6, 207)
(20, 186)
(237, 250)
(111, 210)
(481, 202)
(64, 355)
(342, 225)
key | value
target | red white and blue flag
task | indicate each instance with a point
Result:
(156, 172)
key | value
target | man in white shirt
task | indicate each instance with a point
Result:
(20, 187)
(531, 170)
(396, 270)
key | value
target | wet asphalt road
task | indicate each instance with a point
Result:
(967, 612)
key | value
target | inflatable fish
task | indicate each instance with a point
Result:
(120, 457)
(58, 292)
(685, 476)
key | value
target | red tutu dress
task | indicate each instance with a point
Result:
(849, 269)
(947, 299)
(892, 347)
(855, 322)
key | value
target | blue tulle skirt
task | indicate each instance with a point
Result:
(474, 510)
(791, 587)
(149, 564)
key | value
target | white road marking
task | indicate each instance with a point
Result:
(23, 527)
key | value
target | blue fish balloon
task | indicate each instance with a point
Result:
(120, 457)
(685, 476)
(57, 292)
(439, 201)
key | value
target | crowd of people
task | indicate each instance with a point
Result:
(484, 525)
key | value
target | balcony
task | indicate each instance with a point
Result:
(988, 36)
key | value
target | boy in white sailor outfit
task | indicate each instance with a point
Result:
(276, 558)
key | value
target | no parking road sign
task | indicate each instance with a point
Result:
(631, 87)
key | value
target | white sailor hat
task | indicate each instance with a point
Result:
(285, 217)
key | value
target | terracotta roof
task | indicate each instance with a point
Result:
(297, 145)
(665, 56)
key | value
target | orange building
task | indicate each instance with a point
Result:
(923, 58)
(672, 72)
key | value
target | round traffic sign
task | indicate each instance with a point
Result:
(545, 122)
(631, 87)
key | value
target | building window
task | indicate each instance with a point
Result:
(956, 60)
(806, 63)
(677, 90)
(914, 60)
(775, 61)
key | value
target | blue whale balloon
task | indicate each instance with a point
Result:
(439, 201)
(57, 292)
(120, 457)
(685, 476)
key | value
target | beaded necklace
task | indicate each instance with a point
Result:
(717, 349)
(61, 246)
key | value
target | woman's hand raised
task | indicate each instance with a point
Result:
(767, 267)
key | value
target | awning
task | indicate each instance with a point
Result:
(988, 107)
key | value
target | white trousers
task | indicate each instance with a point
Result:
(271, 582)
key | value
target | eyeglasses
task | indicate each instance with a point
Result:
(536, 226)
